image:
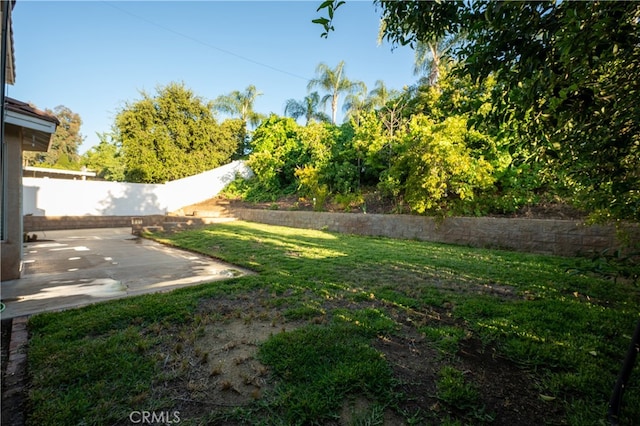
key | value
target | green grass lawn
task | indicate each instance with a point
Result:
(378, 331)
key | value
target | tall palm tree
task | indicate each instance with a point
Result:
(356, 102)
(240, 104)
(333, 81)
(380, 95)
(431, 55)
(307, 108)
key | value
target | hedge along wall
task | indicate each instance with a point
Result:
(544, 236)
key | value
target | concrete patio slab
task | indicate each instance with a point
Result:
(71, 268)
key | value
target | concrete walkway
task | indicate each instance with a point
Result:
(66, 269)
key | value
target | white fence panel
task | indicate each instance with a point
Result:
(193, 189)
(62, 197)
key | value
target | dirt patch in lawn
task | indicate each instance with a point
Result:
(212, 365)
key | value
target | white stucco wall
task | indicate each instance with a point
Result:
(61, 197)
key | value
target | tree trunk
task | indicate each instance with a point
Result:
(613, 415)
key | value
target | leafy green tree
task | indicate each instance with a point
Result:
(170, 136)
(333, 81)
(106, 159)
(568, 76)
(341, 172)
(522, 177)
(317, 140)
(438, 164)
(372, 148)
(276, 152)
(63, 152)
(237, 130)
(287, 158)
(307, 108)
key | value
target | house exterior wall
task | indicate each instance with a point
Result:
(12, 242)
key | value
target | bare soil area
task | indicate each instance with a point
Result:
(214, 366)
(376, 204)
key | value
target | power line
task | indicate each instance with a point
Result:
(204, 43)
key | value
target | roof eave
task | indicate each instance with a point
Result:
(30, 122)
(36, 132)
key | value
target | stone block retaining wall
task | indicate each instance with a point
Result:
(50, 223)
(545, 236)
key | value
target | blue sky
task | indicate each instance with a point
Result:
(93, 56)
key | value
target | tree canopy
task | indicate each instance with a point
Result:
(171, 135)
(106, 159)
(567, 78)
(63, 152)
